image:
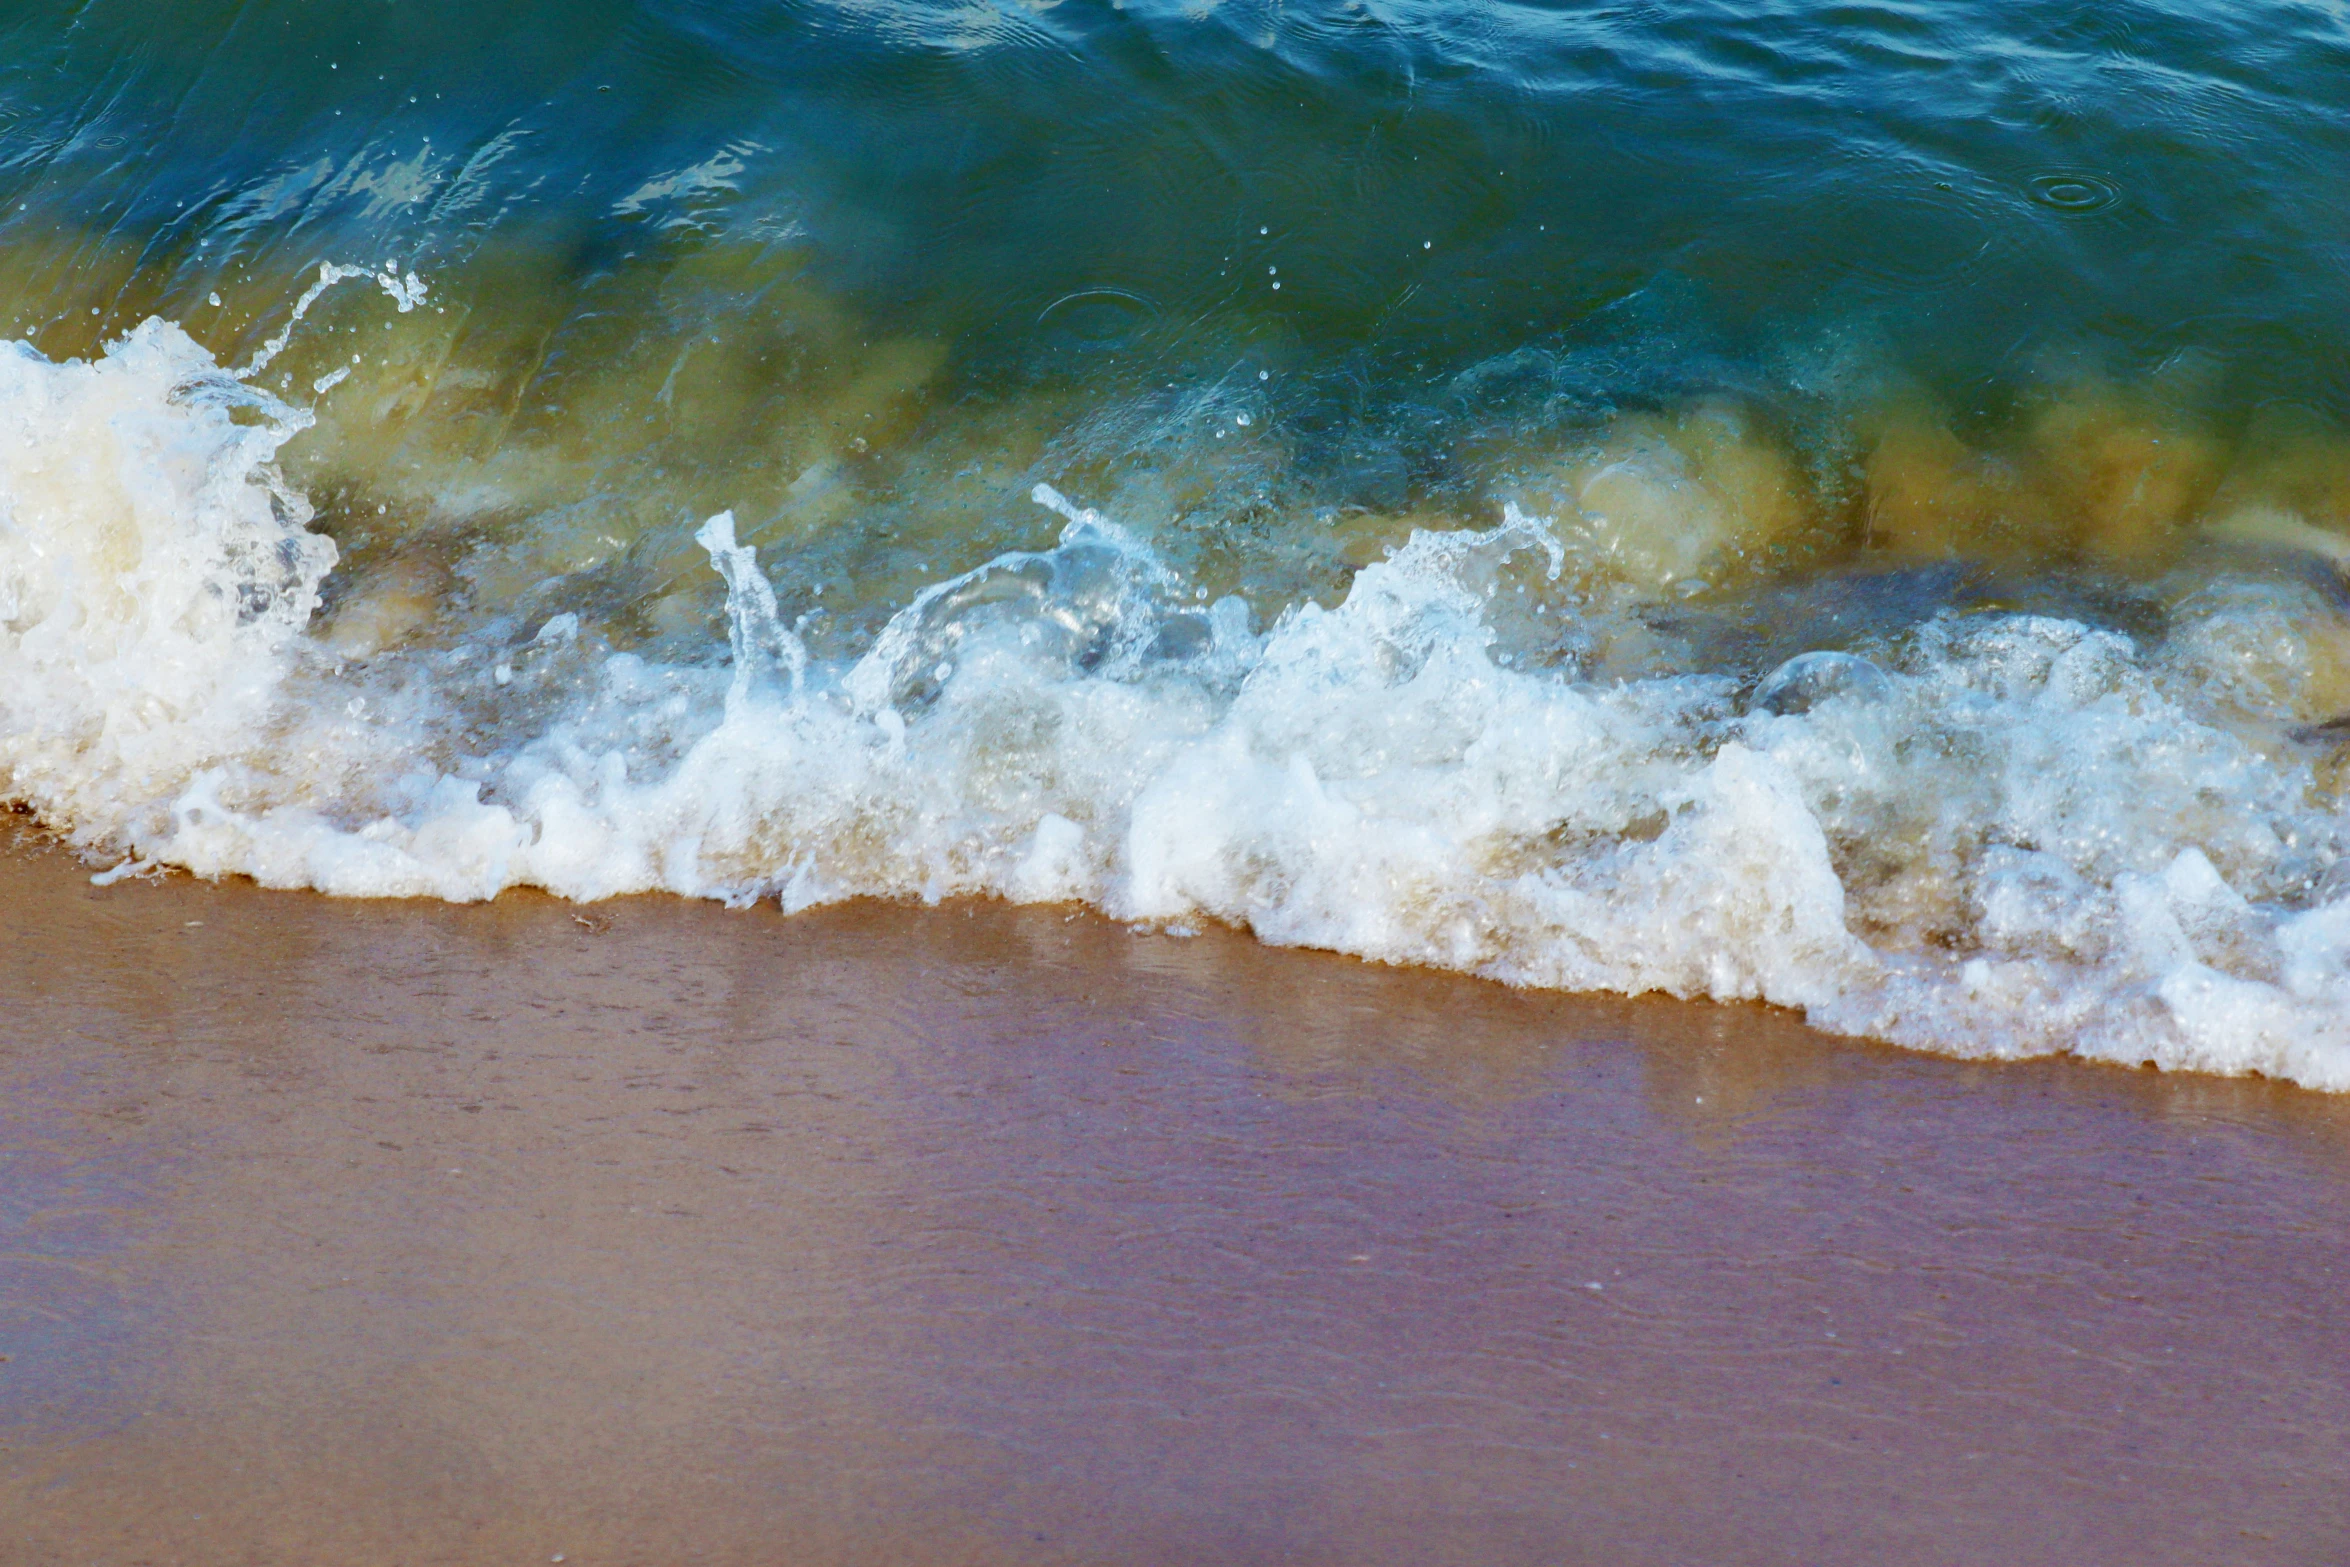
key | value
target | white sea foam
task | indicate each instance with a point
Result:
(2003, 835)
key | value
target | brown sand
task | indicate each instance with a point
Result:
(400, 1233)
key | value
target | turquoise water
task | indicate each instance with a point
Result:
(1841, 504)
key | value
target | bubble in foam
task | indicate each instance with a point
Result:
(1808, 679)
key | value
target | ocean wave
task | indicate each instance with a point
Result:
(1991, 831)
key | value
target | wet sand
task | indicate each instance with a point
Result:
(654, 1233)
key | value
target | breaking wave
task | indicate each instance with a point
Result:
(1966, 826)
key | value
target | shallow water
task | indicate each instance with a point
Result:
(1845, 507)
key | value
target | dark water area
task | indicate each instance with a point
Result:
(1973, 185)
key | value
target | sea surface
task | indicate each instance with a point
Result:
(1845, 505)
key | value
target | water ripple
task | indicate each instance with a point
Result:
(2077, 193)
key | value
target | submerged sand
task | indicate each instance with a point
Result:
(654, 1233)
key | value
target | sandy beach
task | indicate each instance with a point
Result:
(653, 1233)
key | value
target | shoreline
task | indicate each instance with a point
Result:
(662, 1233)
